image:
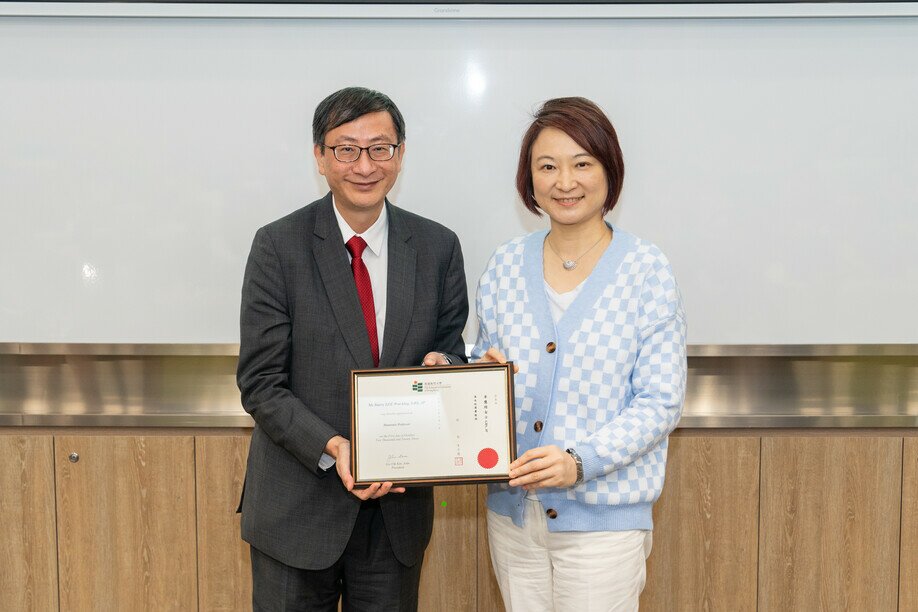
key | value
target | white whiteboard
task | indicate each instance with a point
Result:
(774, 160)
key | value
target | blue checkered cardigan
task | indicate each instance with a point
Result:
(613, 388)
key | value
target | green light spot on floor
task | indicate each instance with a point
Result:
(443, 503)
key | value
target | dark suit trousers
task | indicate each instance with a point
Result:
(367, 577)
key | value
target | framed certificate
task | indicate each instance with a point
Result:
(433, 425)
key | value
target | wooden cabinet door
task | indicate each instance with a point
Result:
(224, 564)
(705, 546)
(126, 523)
(908, 551)
(28, 548)
(829, 530)
(705, 537)
(489, 598)
(449, 573)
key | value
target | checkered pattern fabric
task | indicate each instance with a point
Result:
(613, 387)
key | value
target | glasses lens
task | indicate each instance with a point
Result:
(346, 153)
(381, 152)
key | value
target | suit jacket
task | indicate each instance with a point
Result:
(303, 331)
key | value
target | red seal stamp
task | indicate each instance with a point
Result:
(487, 458)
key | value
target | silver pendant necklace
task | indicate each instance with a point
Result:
(570, 264)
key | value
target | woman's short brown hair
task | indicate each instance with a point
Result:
(589, 127)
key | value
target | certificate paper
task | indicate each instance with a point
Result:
(434, 425)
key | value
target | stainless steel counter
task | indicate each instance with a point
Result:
(120, 390)
(856, 386)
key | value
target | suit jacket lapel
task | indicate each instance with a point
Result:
(331, 259)
(400, 287)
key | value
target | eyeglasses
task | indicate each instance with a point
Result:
(350, 153)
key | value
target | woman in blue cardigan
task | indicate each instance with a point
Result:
(593, 318)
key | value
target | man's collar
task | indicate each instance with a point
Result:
(375, 234)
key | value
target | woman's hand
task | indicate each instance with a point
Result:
(493, 355)
(545, 466)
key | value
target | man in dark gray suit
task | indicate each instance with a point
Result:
(349, 281)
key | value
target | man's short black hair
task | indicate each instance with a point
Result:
(350, 103)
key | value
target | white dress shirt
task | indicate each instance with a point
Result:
(376, 259)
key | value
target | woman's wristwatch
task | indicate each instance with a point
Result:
(579, 463)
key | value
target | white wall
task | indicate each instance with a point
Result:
(774, 160)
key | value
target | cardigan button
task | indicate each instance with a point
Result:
(537, 426)
(550, 347)
(552, 513)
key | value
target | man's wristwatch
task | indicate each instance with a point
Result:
(579, 463)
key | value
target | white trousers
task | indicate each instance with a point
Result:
(589, 571)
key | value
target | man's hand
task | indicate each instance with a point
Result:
(434, 358)
(545, 466)
(494, 355)
(339, 448)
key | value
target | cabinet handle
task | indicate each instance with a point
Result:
(74, 457)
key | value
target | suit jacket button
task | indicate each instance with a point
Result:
(537, 426)
(552, 513)
(550, 347)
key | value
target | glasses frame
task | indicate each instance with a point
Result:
(393, 147)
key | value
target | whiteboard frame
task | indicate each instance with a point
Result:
(459, 11)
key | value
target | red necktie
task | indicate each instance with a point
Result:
(355, 247)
